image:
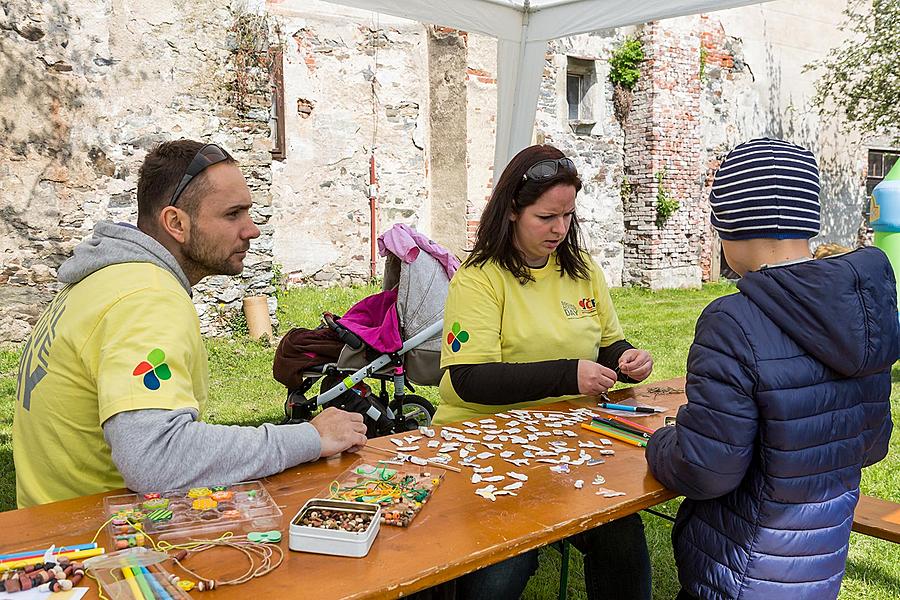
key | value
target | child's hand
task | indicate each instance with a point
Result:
(593, 378)
(637, 364)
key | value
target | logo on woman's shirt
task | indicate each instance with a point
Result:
(586, 307)
(457, 337)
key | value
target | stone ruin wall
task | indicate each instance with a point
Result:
(356, 85)
(88, 88)
(83, 104)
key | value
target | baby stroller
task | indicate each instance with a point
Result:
(391, 336)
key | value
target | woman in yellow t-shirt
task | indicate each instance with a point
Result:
(529, 321)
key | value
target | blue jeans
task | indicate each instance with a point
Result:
(616, 566)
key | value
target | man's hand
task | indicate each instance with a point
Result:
(635, 363)
(593, 378)
(339, 431)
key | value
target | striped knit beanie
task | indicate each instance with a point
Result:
(766, 188)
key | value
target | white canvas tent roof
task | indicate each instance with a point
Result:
(522, 28)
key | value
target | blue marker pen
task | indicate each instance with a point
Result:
(640, 409)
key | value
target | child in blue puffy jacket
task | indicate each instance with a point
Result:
(788, 388)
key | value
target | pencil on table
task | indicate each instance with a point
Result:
(132, 584)
(638, 426)
(621, 436)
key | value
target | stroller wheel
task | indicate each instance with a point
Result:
(417, 412)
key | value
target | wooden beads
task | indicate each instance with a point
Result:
(48, 577)
(206, 585)
(336, 519)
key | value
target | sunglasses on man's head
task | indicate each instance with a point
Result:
(206, 156)
(545, 169)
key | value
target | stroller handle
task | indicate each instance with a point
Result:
(374, 366)
(344, 334)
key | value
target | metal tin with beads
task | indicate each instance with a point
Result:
(337, 527)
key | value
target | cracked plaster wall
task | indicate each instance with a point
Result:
(87, 88)
(335, 118)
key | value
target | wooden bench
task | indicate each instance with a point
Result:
(878, 518)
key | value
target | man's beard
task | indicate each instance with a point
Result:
(207, 259)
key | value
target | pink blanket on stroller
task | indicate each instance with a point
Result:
(374, 320)
(405, 242)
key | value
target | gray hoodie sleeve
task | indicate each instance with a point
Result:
(157, 450)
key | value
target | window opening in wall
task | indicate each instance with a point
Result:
(581, 84)
(278, 126)
(880, 163)
(574, 94)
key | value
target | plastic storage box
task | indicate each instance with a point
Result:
(333, 541)
(200, 513)
(146, 574)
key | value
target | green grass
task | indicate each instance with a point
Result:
(242, 391)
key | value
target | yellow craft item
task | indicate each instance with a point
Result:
(199, 492)
(74, 555)
(204, 503)
(185, 584)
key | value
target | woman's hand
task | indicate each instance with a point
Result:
(594, 379)
(637, 364)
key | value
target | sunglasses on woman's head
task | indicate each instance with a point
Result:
(206, 156)
(546, 169)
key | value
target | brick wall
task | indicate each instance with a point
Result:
(662, 135)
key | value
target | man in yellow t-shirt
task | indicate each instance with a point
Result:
(112, 381)
(491, 317)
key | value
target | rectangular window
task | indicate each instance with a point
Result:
(880, 164)
(574, 94)
(277, 118)
(581, 89)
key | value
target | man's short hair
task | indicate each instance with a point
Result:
(160, 174)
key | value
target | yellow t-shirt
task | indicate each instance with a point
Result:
(491, 317)
(126, 337)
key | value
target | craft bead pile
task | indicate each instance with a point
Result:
(47, 577)
(335, 519)
(401, 492)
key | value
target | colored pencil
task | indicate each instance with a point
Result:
(161, 577)
(620, 430)
(640, 409)
(644, 428)
(616, 435)
(621, 427)
(40, 553)
(158, 589)
(133, 584)
(77, 554)
(143, 583)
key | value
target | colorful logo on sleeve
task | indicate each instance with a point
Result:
(153, 369)
(457, 337)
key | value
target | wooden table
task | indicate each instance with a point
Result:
(457, 531)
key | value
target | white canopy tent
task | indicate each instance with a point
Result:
(522, 28)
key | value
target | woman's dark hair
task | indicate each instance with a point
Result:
(494, 240)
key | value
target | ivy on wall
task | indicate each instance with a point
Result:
(666, 204)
